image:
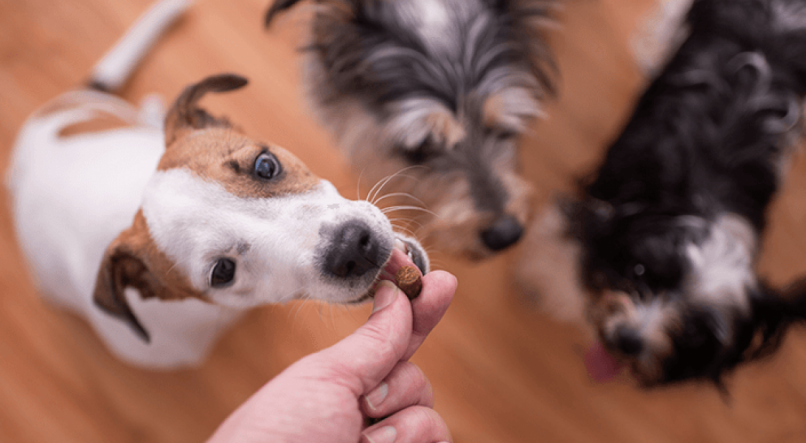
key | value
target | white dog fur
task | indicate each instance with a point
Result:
(74, 198)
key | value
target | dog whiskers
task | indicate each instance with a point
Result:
(403, 229)
(435, 263)
(408, 208)
(358, 185)
(376, 189)
(408, 221)
(303, 301)
(390, 178)
(403, 222)
(399, 194)
(408, 226)
(381, 183)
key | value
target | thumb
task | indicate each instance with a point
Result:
(365, 358)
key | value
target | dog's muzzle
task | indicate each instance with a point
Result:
(354, 251)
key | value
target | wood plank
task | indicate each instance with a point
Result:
(501, 370)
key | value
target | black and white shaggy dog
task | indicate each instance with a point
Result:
(665, 238)
(433, 95)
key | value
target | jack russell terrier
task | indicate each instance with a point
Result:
(162, 237)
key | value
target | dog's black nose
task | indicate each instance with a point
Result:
(353, 251)
(503, 233)
(628, 342)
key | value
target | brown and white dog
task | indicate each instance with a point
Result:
(161, 237)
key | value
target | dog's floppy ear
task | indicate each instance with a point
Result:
(127, 264)
(120, 269)
(185, 115)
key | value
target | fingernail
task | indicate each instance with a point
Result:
(386, 434)
(384, 295)
(375, 398)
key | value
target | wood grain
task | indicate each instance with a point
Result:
(502, 372)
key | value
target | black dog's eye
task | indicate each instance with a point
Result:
(267, 166)
(223, 273)
(416, 156)
(420, 154)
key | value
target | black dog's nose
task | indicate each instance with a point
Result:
(628, 341)
(504, 232)
(353, 251)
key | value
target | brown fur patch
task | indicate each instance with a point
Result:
(520, 197)
(160, 278)
(445, 128)
(103, 122)
(226, 156)
(492, 112)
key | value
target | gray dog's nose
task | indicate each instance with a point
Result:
(353, 252)
(503, 233)
(628, 341)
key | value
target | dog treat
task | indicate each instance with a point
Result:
(409, 281)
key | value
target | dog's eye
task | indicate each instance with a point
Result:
(223, 273)
(416, 156)
(507, 135)
(419, 154)
(267, 166)
(638, 274)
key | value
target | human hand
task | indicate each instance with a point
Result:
(327, 397)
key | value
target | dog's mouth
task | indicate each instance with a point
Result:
(406, 252)
(413, 251)
(601, 364)
(604, 365)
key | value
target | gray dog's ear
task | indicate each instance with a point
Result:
(185, 116)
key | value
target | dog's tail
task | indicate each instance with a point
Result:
(117, 65)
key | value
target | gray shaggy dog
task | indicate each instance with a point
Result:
(428, 99)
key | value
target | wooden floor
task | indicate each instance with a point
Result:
(501, 371)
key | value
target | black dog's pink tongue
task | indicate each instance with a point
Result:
(601, 366)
